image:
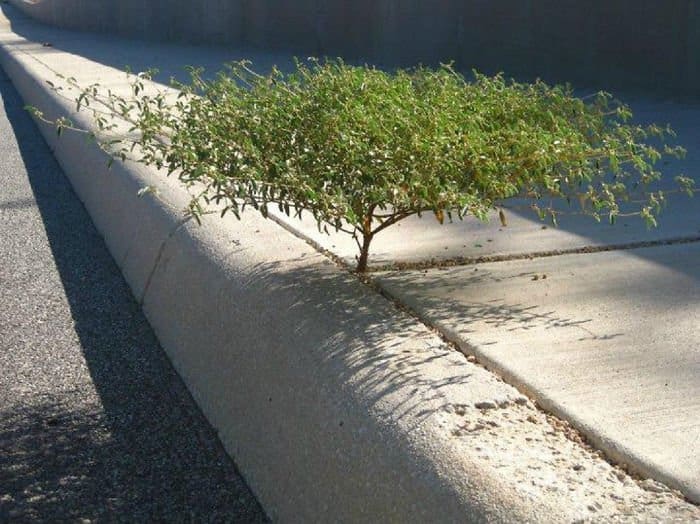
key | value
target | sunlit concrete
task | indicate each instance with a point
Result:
(609, 340)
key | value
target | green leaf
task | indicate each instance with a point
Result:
(347, 142)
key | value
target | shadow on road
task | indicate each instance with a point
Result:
(148, 453)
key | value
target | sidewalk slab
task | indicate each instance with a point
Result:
(471, 240)
(525, 233)
(607, 340)
(335, 405)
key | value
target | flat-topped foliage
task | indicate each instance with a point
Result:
(362, 149)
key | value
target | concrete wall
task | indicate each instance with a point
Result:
(648, 44)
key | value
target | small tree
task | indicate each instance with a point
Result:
(362, 149)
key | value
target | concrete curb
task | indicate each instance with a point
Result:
(303, 373)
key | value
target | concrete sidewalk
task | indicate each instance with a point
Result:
(428, 428)
(600, 324)
(607, 340)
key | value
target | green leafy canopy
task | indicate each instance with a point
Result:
(362, 149)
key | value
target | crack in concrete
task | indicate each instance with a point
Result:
(159, 256)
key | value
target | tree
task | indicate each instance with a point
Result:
(362, 149)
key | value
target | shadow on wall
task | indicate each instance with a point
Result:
(642, 44)
(137, 54)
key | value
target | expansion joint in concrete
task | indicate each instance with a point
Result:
(467, 261)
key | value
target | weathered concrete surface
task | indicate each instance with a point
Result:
(317, 385)
(635, 43)
(608, 340)
(526, 237)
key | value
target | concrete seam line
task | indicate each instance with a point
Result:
(486, 259)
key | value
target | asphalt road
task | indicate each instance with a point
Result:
(95, 425)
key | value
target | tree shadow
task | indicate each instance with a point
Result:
(148, 453)
(469, 314)
(51, 458)
(380, 355)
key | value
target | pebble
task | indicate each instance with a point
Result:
(652, 486)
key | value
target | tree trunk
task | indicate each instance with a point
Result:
(364, 253)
